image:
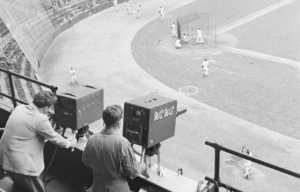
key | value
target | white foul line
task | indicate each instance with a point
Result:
(262, 56)
(253, 16)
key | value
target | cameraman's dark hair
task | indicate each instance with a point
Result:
(44, 99)
(112, 115)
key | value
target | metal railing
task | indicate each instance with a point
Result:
(13, 98)
(217, 181)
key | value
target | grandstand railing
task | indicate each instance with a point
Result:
(217, 181)
(13, 98)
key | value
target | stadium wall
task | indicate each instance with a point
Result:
(33, 30)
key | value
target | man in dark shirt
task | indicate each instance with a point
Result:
(110, 155)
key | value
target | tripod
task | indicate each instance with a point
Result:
(146, 155)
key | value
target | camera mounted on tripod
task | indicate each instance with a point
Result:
(148, 121)
(78, 107)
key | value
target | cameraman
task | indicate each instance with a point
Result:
(111, 156)
(22, 143)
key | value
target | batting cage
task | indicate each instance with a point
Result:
(188, 25)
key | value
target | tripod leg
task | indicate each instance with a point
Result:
(158, 161)
(146, 162)
(150, 163)
(143, 155)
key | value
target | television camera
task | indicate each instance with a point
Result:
(78, 107)
(148, 121)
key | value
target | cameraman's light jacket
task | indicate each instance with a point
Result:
(22, 143)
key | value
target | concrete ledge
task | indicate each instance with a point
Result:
(80, 17)
(57, 32)
(47, 42)
(64, 27)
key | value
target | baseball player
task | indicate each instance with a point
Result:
(138, 14)
(205, 66)
(73, 75)
(184, 38)
(178, 44)
(247, 163)
(161, 13)
(128, 7)
(115, 2)
(199, 36)
(173, 29)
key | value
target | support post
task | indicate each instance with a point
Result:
(12, 89)
(217, 165)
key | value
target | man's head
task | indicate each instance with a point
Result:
(44, 100)
(112, 116)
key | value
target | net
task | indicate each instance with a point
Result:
(189, 24)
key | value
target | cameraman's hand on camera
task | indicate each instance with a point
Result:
(142, 166)
(73, 141)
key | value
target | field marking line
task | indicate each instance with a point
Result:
(196, 58)
(188, 94)
(252, 16)
(217, 53)
(262, 56)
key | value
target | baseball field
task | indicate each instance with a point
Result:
(250, 97)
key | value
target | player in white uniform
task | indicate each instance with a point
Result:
(115, 2)
(138, 14)
(184, 38)
(178, 44)
(161, 13)
(173, 29)
(205, 66)
(199, 36)
(73, 75)
(128, 7)
(247, 163)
